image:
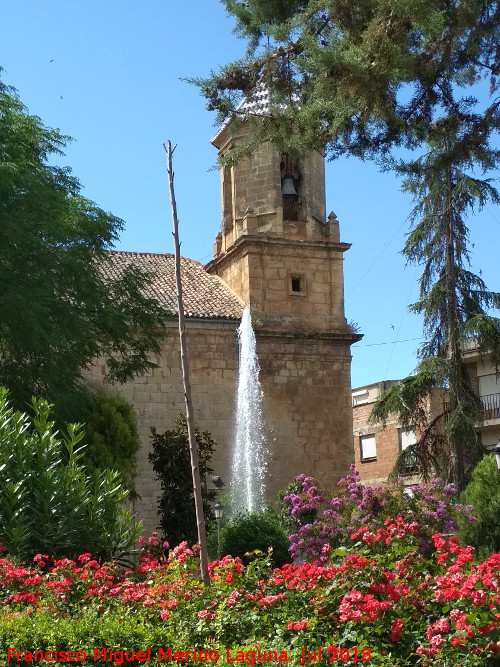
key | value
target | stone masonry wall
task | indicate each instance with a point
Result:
(306, 404)
(320, 269)
(253, 187)
(260, 271)
(158, 399)
(256, 182)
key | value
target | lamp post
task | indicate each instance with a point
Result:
(496, 452)
(218, 511)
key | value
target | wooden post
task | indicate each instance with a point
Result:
(198, 500)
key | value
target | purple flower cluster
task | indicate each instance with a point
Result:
(319, 520)
(309, 498)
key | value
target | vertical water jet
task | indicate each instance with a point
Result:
(249, 463)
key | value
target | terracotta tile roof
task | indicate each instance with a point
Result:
(204, 295)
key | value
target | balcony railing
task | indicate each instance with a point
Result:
(491, 406)
(490, 403)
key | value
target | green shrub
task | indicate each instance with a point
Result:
(247, 532)
(48, 503)
(111, 439)
(171, 461)
(317, 518)
(483, 493)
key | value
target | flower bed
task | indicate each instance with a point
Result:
(379, 603)
(315, 516)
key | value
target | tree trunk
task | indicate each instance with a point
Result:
(454, 351)
(200, 519)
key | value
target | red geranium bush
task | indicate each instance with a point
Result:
(382, 601)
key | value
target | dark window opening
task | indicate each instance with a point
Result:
(296, 287)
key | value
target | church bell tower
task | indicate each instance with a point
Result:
(283, 257)
(276, 249)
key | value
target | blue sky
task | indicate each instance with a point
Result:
(108, 73)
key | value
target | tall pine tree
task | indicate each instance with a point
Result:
(455, 302)
(360, 76)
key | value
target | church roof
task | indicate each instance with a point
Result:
(204, 295)
(256, 103)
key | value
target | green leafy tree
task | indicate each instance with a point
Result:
(364, 78)
(57, 312)
(455, 303)
(172, 464)
(48, 502)
(483, 494)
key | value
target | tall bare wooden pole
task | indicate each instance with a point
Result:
(198, 500)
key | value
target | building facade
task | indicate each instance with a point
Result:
(486, 383)
(377, 446)
(278, 254)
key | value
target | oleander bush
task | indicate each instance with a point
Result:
(381, 602)
(48, 501)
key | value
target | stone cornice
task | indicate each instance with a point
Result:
(282, 332)
(271, 240)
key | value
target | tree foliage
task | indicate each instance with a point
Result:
(57, 313)
(365, 77)
(110, 436)
(455, 303)
(172, 464)
(48, 502)
(483, 494)
(360, 76)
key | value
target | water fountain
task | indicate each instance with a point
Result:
(250, 456)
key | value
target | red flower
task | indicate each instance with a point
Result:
(396, 630)
(298, 625)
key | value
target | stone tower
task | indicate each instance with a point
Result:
(280, 254)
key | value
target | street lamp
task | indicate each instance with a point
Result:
(218, 511)
(496, 452)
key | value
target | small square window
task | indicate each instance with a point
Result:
(368, 448)
(296, 285)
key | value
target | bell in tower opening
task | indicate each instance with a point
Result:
(290, 183)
